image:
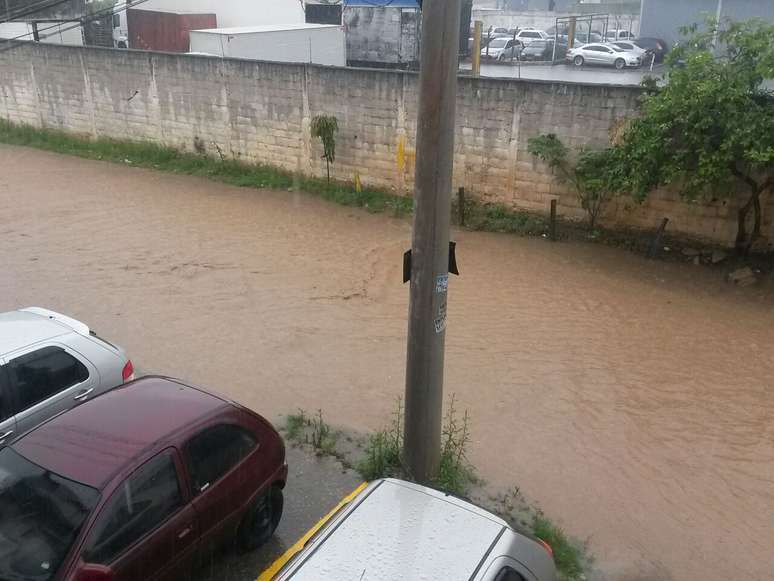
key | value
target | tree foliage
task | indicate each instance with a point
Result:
(711, 126)
(325, 128)
(592, 175)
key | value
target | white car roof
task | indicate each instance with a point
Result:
(29, 326)
(402, 532)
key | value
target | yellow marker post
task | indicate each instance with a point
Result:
(277, 565)
(478, 31)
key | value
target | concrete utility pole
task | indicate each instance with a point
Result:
(430, 243)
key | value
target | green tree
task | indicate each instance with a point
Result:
(592, 174)
(711, 127)
(325, 127)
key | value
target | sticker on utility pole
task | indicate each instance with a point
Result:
(441, 288)
(440, 317)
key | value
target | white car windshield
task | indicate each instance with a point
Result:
(498, 43)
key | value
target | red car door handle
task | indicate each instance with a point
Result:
(184, 533)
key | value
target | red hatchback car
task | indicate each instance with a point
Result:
(139, 484)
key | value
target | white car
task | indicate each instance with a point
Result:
(501, 49)
(50, 363)
(528, 35)
(629, 47)
(613, 35)
(603, 54)
(393, 530)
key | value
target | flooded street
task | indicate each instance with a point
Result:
(632, 400)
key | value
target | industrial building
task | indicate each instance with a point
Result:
(664, 18)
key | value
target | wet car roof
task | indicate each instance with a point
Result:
(403, 531)
(94, 441)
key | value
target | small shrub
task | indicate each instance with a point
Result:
(383, 450)
(294, 426)
(325, 127)
(323, 440)
(592, 175)
(567, 556)
(455, 473)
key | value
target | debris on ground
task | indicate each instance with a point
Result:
(718, 256)
(742, 277)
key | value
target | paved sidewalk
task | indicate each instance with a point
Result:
(315, 486)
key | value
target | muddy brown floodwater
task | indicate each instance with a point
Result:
(632, 400)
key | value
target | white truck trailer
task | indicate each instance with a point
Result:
(322, 44)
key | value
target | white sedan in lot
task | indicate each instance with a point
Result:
(603, 54)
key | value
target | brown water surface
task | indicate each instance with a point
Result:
(632, 400)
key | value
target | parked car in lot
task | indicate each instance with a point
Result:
(50, 363)
(542, 50)
(601, 54)
(646, 55)
(397, 531)
(501, 49)
(586, 37)
(657, 46)
(613, 35)
(629, 47)
(527, 35)
(141, 483)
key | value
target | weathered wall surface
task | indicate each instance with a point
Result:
(262, 111)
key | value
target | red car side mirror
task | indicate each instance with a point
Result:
(90, 572)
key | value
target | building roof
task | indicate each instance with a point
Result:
(94, 441)
(266, 28)
(383, 3)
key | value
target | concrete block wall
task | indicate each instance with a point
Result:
(261, 112)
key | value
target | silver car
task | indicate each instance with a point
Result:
(50, 363)
(398, 531)
(603, 54)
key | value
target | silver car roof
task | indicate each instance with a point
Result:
(402, 531)
(26, 327)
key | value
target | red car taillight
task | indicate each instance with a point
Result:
(128, 372)
(547, 547)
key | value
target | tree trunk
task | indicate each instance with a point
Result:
(743, 241)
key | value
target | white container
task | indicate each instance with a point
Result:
(321, 44)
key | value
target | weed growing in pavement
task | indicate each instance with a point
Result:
(455, 473)
(568, 556)
(314, 431)
(323, 439)
(383, 452)
(294, 425)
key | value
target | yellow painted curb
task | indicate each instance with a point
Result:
(277, 566)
